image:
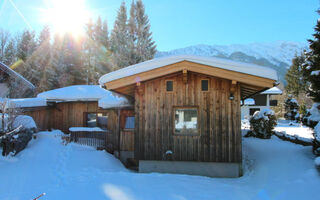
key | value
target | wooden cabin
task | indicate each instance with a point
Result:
(187, 112)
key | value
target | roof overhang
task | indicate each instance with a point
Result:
(252, 78)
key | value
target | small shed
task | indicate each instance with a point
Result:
(187, 111)
(79, 106)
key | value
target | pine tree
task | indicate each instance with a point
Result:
(146, 47)
(132, 42)
(10, 53)
(119, 40)
(26, 45)
(95, 51)
(44, 59)
(311, 69)
(295, 82)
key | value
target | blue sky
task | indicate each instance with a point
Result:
(180, 23)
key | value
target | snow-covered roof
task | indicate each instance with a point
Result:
(75, 93)
(28, 102)
(105, 98)
(273, 90)
(245, 68)
(24, 103)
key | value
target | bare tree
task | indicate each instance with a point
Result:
(8, 114)
(4, 40)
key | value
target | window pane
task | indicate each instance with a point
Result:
(129, 123)
(102, 121)
(186, 121)
(204, 85)
(92, 120)
(169, 86)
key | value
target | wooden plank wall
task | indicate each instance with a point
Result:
(219, 138)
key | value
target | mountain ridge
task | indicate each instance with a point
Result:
(277, 55)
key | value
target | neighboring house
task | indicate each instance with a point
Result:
(187, 112)
(259, 102)
(13, 85)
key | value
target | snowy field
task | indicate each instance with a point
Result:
(274, 169)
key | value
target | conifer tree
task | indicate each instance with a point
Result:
(146, 47)
(119, 39)
(10, 53)
(132, 28)
(294, 76)
(311, 69)
(26, 45)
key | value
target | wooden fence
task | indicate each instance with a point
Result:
(96, 139)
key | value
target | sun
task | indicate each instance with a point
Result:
(66, 16)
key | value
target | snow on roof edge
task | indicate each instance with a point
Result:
(274, 90)
(241, 67)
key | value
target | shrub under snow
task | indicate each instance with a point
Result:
(313, 116)
(262, 124)
(291, 109)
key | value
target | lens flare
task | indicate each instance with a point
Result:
(66, 16)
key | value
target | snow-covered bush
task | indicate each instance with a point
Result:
(291, 109)
(262, 124)
(312, 117)
(316, 142)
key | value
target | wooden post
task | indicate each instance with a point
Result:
(185, 76)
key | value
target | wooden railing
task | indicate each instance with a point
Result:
(96, 138)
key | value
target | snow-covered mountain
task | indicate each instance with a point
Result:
(277, 55)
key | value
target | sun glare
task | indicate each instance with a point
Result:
(66, 16)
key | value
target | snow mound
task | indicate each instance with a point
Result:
(25, 121)
(246, 68)
(263, 114)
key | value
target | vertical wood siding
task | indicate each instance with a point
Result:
(219, 138)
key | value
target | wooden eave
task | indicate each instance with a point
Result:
(249, 84)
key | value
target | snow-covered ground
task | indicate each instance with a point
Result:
(294, 130)
(274, 169)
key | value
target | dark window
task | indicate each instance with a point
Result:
(260, 100)
(92, 120)
(102, 120)
(253, 110)
(129, 123)
(97, 120)
(169, 86)
(186, 121)
(273, 102)
(204, 85)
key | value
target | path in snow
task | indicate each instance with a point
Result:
(274, 169)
